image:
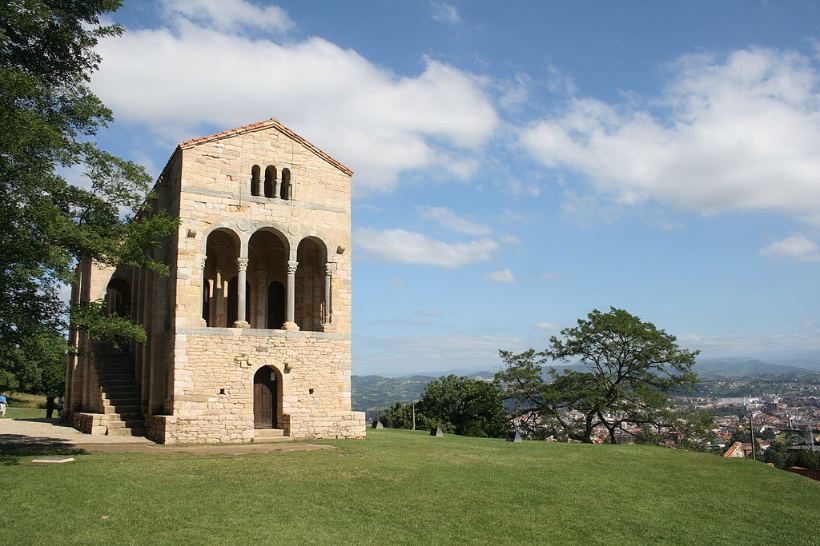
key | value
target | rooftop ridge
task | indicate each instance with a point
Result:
(265, 124)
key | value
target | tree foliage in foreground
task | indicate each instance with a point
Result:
(628, 368)
(48, 120)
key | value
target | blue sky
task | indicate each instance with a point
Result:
(521, 163)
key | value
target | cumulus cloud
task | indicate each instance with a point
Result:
(448, 219)
(191, 76)
(502, 276)
(796, 247)
(398, 245)
(230, 15)
(739, 132)
(445, 13)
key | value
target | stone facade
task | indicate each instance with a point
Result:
(252, 328)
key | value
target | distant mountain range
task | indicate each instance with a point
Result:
(371, 392)
(736, 367)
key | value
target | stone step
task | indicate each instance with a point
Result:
(269, 435)
(117, 381)
(121, 391)
(136, 431)
(114, 423)
(123, 412)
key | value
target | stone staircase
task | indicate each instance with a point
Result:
(120, 392)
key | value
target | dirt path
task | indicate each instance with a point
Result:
(40, 437)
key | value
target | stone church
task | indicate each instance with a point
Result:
(248, 338)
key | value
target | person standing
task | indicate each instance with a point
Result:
(50, 405)
(3, 403)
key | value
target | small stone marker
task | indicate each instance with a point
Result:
(56, 459)
(378, 425)
(437, 432)
(514, 437)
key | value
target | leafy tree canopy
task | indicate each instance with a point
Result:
(48, 120)
(628, 367)
(466, 406)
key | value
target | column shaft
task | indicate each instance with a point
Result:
(241, 290)
(290, 308)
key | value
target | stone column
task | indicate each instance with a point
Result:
(327, 320)
(275, 188)
(241, 289)
(290, 308)
(202, 321)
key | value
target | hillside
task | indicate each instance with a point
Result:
(374, 392)
(409, 488)
(744, 368)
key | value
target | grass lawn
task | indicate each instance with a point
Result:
(13, 412)
(406, 487)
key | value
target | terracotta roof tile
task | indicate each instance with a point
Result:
(272, 122)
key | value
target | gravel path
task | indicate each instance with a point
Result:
(32, 436)
(43, 431)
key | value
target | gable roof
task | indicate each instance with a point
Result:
(266, 124)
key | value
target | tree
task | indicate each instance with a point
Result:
(48, 120)
(625, 369)
(470, 407)
(400, 415)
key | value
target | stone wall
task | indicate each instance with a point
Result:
(213, 397)
(90, 423)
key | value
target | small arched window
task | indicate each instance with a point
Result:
(255, 170)
(287, 189)
(270, 181)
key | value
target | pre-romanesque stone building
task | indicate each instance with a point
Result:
(249, 335)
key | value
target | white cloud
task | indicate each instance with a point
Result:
(450, 220)
(445, 13)
(558, 82)
(796, 247)
(400, 355)
(229, 15)
(547, 326)
(734, 133)
(775, 345)
(187, 78)
(515, 93)
(502, 276)
(398, 245)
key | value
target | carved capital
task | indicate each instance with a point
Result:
(242, 264)
(292, 265)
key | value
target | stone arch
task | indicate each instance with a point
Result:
(270, 181)
(286, 192)
(268, 253)
(311, 254)
(267, 397)
(255, 185)
(222, 251)
(118, 297)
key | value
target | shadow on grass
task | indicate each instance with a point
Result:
(15, 446)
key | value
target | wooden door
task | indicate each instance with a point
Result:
(264, 398)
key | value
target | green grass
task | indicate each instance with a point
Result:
(25, 400)
(405, 487)
(13, 412)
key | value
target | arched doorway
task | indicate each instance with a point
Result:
(118, 298)
(266, 388)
